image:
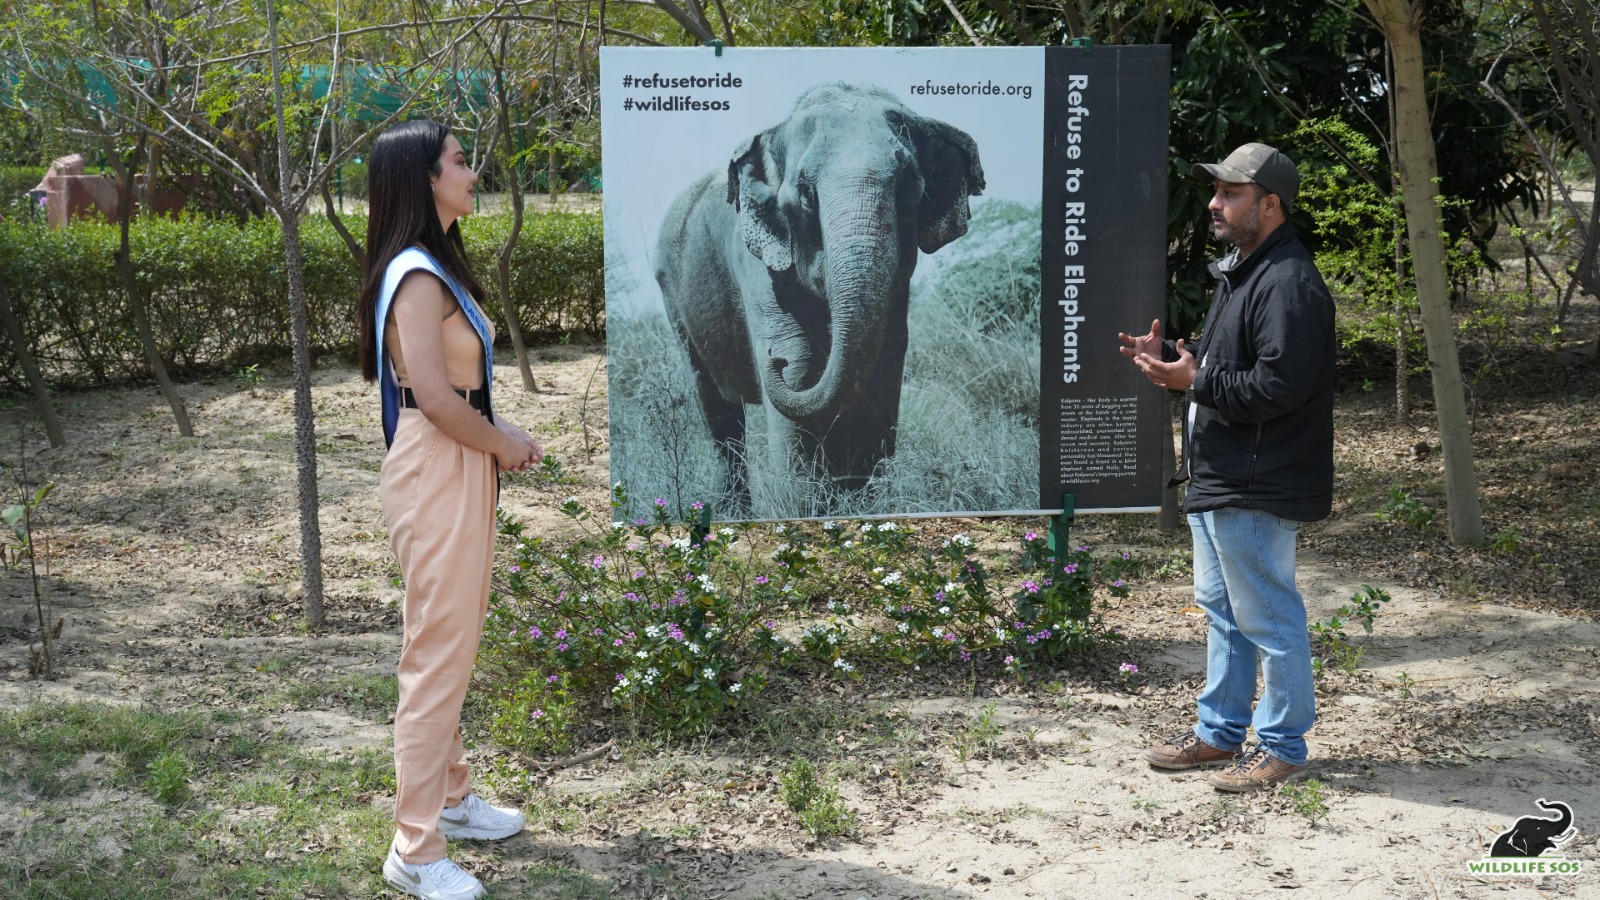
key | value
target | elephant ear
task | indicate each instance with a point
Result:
(951, 172)
(751, 192)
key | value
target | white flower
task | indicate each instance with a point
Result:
(950, 587)
(652, 631)
(877, 570)
(843, 666)
(944, 610)
(708, 673)
(788, 588)
(780, 529)
(891, 578)
(618, 526)
(849, 544)
(569, 500)
(713, 631)
(643, 654)
(725, 532)
(1000, 634)
(833, 637)
(734, 688)
(695, 649)
(904, 628)
(705, 584)
(829, 525)
(681, 544)
(888, 526)
(938, 631)
(873, 639)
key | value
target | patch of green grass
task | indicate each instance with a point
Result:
(1308, 798)
(980, 737)
(371, 694)
(219, 807)
(817, 805)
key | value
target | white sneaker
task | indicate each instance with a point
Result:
(477, 820)
(442, 880)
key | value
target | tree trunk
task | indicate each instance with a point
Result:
(357, 252)
(1417, 157)
(1402, 334)
(136, 307)
(305, 427)
(30, 370)
(512, 170)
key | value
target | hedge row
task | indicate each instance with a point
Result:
(218, 296)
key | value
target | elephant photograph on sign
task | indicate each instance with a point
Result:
(786, 282)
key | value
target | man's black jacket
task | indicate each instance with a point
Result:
(1259, 429)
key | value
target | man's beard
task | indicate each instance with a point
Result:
(1245, 233)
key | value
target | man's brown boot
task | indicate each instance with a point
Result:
(1187, 751)
(1256, 770)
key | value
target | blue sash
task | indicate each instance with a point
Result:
(407, 261)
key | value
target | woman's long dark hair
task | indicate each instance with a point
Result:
(401, 214)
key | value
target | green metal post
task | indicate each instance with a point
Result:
(1061, 525)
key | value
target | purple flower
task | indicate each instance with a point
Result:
(1128, 669)
(660, 503)
(598, 562)
(1118, 583)
(638, 574)
(535, 633)
(631, 597)
(697, 505)
(561, 647)
(514, 569)
(599, 632)
(1030, 587)
(1030, 536)
(938, 595)
(617, 643)
(761, 579)
(553, 679)
(1010, 660)
(1070, 568)
(538, 714)
(561, 634)
(639, 522)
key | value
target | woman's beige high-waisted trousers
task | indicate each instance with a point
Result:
(438, 500)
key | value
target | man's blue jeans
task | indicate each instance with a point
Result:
(1244, 579)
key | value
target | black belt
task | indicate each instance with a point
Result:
(477, 397)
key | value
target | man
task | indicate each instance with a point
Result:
(1258, 456)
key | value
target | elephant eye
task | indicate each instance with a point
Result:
(808, 195)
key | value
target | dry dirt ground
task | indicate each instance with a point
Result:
(173, 562)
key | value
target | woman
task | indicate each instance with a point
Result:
(427, 342)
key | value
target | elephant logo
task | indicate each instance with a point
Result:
(1533, 835)
(785, 274)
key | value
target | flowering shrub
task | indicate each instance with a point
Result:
(675, 625)
(941, 602)
(639, 617)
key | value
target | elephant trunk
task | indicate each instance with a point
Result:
(1563, 818)
(862, 258)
